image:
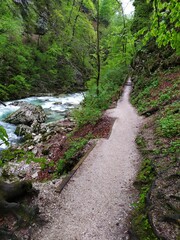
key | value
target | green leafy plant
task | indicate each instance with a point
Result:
(140, 141)
(72, 155)
(164, 97)
(4, 136)
(163, 25)
(85, 115)
(169, 125)
(175, 147)
(20, 155)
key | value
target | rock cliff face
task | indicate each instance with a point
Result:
(28, 114)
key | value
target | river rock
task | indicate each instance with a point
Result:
(28, 114)
(37, 138)
(19, 103)
(57, 103)
(57, 127)
(22, 130)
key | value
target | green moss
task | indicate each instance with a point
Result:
(146, 173)
(139, 222)
(142, 227)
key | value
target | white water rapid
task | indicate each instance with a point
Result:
(56, 108)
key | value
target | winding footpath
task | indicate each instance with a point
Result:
(96, 202)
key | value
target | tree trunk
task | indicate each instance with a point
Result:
(75, 20)
(98, 51)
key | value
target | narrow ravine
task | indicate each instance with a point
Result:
(95, 204)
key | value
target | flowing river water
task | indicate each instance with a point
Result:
(56, 108)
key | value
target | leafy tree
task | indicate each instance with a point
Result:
(165, 23)
(142, 13)
(107, 9)
(114, 50)
(117, 46)
(160, 20)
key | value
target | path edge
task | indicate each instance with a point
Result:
(67, 178)
(65, 181)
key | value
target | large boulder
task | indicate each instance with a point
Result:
(28, 114)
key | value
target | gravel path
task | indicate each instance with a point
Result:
(96, 202)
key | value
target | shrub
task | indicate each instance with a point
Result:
(20, 155)
(70, 159)
(86, 115)
(169, 126)
(93, 105)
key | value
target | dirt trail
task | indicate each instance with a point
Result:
(96, 202)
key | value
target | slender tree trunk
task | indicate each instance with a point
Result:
(124, 44)
(156, 10)
(69, 20)
(75, 20)
(98, 51)
(124, 30)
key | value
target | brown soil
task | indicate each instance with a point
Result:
(101, 129)
(59, 143)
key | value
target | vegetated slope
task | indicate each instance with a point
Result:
(156, 77)
(50, 46)
(45, 46)
(156, 95)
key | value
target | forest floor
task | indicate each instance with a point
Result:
(96, 202)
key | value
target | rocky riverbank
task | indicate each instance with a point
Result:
(46, 141)
(51, 142)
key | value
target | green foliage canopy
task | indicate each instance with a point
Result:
(45, 46)
(162, 23)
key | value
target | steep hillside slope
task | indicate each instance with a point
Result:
(156, 78)
(156, 96)
(45, 46)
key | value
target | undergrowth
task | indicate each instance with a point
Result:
(72, 155)
(168, 123)
(94, 105)
(156, 91)
(160, 91)
(18, 155)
